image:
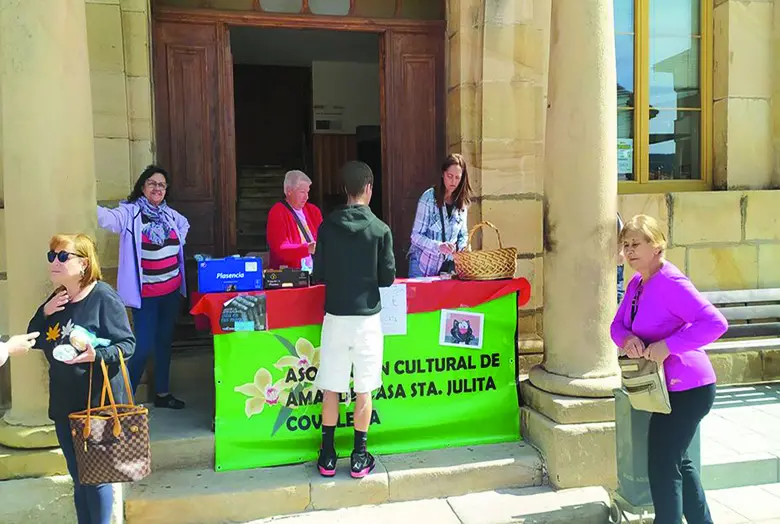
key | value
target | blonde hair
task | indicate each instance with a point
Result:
(84, 247)
(648, 227)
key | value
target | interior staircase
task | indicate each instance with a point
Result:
(259, 188)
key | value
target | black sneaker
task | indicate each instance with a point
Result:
(326, 463)
(361, 464)
(168, 401)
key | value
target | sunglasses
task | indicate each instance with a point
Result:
(62, 256)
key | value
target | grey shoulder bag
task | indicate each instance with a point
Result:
(644, 380)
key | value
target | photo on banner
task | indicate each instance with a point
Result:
(461, 329)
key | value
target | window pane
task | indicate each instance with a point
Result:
(675, 142)
(675, 17)
(625, 144)
(674, 72)
(329, 7)
(624, 52)
(282, 6)
(624, 16)
(374, 8)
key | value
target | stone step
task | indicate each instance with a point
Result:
(749, 469)
(537, 505)
(202, 496)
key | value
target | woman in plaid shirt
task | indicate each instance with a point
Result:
(440, 224)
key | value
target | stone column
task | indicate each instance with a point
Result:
(46, 141)
(563, 417)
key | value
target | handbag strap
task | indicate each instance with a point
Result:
(107, 390)
(126, 377)
(303, 228)
(441, 215)
(443, 229)
(635, 302)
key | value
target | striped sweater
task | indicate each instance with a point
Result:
(160, 273)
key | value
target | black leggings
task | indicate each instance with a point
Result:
(674, 481)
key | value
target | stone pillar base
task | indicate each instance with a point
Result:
(27, 437)
(589, 387)
(576, 437)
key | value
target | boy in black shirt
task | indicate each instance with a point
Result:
(354, 258)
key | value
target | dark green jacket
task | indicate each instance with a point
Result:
(354, 258)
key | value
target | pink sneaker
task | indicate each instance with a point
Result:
(361, 464)
(326, 463)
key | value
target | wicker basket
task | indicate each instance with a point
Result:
(486, 265)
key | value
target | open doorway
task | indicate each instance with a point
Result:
(305, 99)
(195, 118)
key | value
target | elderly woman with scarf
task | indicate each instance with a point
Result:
(150, 277)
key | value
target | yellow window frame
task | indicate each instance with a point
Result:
(641, 109)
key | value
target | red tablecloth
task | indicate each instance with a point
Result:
(305, 306)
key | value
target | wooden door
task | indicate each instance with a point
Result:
(194, 114)
(414, 118)
(195, 140)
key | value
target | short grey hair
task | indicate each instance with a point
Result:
(293, 178)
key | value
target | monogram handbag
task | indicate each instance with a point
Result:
(111, 441)
(644, 380)
(645, 383)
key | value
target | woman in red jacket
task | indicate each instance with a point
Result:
(293, 224)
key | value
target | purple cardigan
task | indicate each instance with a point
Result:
(671, 309)
(125, 220)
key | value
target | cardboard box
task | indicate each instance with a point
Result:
(284, 278)
(230, 274)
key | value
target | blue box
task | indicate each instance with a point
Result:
(220, 275)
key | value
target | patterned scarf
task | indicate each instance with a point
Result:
(157, 229)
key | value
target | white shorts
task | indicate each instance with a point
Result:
(350, 342)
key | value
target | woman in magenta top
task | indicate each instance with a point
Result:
(664, 318)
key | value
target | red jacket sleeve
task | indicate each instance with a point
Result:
(284, 240)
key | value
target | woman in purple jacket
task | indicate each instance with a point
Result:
(664, 318)
(150, 277)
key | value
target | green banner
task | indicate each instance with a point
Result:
(434, 396)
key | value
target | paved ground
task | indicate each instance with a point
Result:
(744, 422)
(751, 505)
(539, 505)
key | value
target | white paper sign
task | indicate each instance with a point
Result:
(625, 156)
(394, 309)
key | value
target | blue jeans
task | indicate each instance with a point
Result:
(154, 323)
(414, 267)
(93, 503)
(620, 284)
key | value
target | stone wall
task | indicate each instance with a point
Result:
(744, 84)
(721, 240)
(118, 32)
(496, 101)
